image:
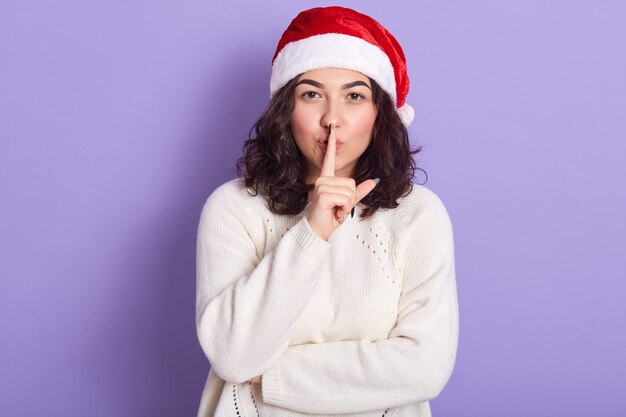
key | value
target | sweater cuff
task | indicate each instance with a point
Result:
(271, 387)
(307, 238)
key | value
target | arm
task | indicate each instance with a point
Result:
(412, 365)
(245, 306)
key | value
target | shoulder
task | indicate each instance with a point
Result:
(232, 211)
(233, 193)
(234, 198)
(420, 196)
(421, 206)
(230, 188)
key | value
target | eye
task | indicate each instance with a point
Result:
(356, 96)
(310, 94)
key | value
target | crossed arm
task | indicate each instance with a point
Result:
(245, 312)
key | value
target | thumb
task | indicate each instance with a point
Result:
(365, 188)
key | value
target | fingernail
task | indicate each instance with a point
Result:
(352, 213)
(376, 180)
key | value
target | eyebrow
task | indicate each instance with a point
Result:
(343, 87)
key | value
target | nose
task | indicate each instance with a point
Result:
(331, 115)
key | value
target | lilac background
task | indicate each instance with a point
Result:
(118, 118)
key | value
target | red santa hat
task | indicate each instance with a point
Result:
(338, 37)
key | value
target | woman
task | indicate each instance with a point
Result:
(325, 278)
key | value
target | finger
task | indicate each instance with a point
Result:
(337, 189)
(341, 214)
(364, 189)
(338, 181)
(328, 167)
(335, 200)
(339, 199)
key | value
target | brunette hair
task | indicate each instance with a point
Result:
(273, 165)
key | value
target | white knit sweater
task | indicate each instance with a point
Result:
(364, 324)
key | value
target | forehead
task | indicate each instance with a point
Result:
(333, 76)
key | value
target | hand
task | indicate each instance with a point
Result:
(334, 197)
(257, 379)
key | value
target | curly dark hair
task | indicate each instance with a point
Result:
(273, 165)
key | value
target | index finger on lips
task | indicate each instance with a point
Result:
(328, 167)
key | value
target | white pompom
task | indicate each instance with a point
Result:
(406, 114)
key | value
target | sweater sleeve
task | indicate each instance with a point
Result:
(411, 366)
(247, 302)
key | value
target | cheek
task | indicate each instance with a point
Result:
(297, 124)
(301, 123)
(365, 124)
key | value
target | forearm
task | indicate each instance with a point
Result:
(412, 365)
(243, 327)
(365, 375)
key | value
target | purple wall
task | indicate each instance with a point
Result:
(119, 118)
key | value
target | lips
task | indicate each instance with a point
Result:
(323, 143)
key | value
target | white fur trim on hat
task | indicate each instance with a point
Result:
(332, 50)
(406, 114)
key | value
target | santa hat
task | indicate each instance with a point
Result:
(338, 37)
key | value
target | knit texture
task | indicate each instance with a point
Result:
(364, 324)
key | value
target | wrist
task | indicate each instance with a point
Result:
(313, 226)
